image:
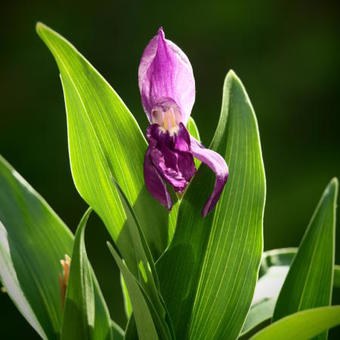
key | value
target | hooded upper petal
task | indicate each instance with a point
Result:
(165, 73)
(218, 165)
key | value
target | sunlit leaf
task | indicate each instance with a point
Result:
(302, 325)
(127, 301)
(105, 143)
(208, 273)
(310, 278)
(33, 240)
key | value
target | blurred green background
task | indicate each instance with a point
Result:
(286, 53)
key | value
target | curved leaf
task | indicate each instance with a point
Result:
(33, 240)
(302, 325)
(211, 257)
(312, 267)
(105, 143)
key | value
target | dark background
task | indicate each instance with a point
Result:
(286, 53)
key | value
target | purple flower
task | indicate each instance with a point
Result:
(167, 87)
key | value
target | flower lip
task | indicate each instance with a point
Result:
(170, 156)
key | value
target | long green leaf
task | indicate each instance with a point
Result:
(208, 274)
(310, 277)
(143, 316)
(105, 143)
(117, 332)
(85, 313)
(143, 267)
(302, 325)
(273, 271)
(33, 240)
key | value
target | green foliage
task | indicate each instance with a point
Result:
(312, 267)
(210, 257)
(33, 240)
(142, 314)
(143, 269)
(302, 325)
(273, 271)
(183, 276)
(85, 313)
(105, 144)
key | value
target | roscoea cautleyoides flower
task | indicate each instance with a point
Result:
(167, 87)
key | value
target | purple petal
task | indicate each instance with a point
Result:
(175, 165)
(165, 72)
(166, 162)
(218, 165)
(182, 139)
(155, 183)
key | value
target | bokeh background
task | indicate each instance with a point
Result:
(286, 53)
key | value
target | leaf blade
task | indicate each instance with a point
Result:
(197, 309)
(312, 267)
(105, 143)
(274, 269)
(33, 240)
(294, 326)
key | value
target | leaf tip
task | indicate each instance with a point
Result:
(335, 182)
(232, 81)
(40, 27)
(332, 188)
(231, 75)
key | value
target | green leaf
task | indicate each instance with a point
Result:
(310, 277)
(208, 273)
(127, 301)
(273, 271)
(105, 143)
(33, 240)
(193, 129)
(302, 325)
(117, 332)
(142, 314)
(143, 268)
(85, 313)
